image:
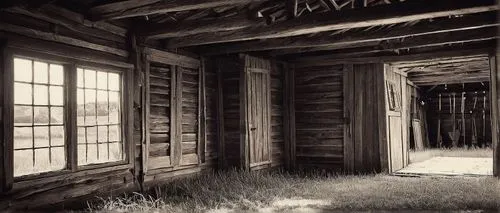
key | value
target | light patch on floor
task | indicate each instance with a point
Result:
(450, 166)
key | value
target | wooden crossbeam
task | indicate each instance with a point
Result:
(455, 37)
(365, 17)
(133, 8)
(354, 38)
(156, 31)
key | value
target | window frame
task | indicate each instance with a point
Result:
(70, 66)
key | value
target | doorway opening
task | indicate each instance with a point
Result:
(448, 117)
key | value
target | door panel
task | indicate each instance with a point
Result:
(258, 111)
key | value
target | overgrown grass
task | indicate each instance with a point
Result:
(241, 191)
(422, 155)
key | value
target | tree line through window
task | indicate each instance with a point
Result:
(40, 131)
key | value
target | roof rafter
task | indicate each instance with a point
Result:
(363, 17)
(133, 8)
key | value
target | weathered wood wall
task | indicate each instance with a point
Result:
(229, 68)
(277, 112)
(64, 34)
(319, 115)
(366, 148)
(59, 33)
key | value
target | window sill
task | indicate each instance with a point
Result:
(62, 174)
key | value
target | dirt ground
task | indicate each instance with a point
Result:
(451, 166)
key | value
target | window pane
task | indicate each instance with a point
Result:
(82, 154)
(42, 160)
(58, 160)
(41, 95)
(56, 115)
(41, 136)
(23, 137)
(22, 93)
(23, 115)
(90, 78)
(103, 133)
(56, 74)
(114, 133)
(56, 95)
(114, 81)
(114, 107)
(102, 107)
(79, 77)
(81, 135)
(102, 80)
(81, 107)
(57, 136)
(41, 115)
(23, 162)
(103, 152)
(22, 70)
(115, 151)
(91, 135)
(90, 112)
(41, 74)
(39, 118)
(101, 103)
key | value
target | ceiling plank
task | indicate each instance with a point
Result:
(454, 37)
(356, 18)
(133, 8)
(355, 37)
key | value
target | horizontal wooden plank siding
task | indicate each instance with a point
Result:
(277, 134)
(319, 117)
(230, 68)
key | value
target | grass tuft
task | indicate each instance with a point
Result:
(253, 191)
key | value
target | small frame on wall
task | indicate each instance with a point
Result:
(393, 96)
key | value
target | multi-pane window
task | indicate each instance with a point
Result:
(39, 135)
(99, 132)
(42, 138)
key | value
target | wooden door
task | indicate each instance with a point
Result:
(396, 106)
(257, 112)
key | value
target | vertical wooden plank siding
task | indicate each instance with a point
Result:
(2, 115)
(278, 108)
(495, 111)
(202, 110)
(319, 114)
(245, 109)
(211, 115)
(288, 116)
(220, 117)
(8, 121)
(382, 118)
(348, 151)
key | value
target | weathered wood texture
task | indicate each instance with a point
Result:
(319, 115)
(365, 119)
(277, 115)
(392, 14)
(230, 68)
(211, 146)
(495, 111)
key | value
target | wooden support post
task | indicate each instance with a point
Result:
(176, 117)
(8, 121)
(495, 111)
(202, 110)
(220, 118)
(348, 118)
(289, 116)
(145, 111)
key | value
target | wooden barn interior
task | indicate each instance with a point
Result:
(107, 96)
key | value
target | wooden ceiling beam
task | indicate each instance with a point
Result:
(133, 8)
(364, 17)
(454, 37)
(185, 28)
(355, 38)
(481, 49)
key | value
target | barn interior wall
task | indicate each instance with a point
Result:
(319, 116)
(58, 33)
